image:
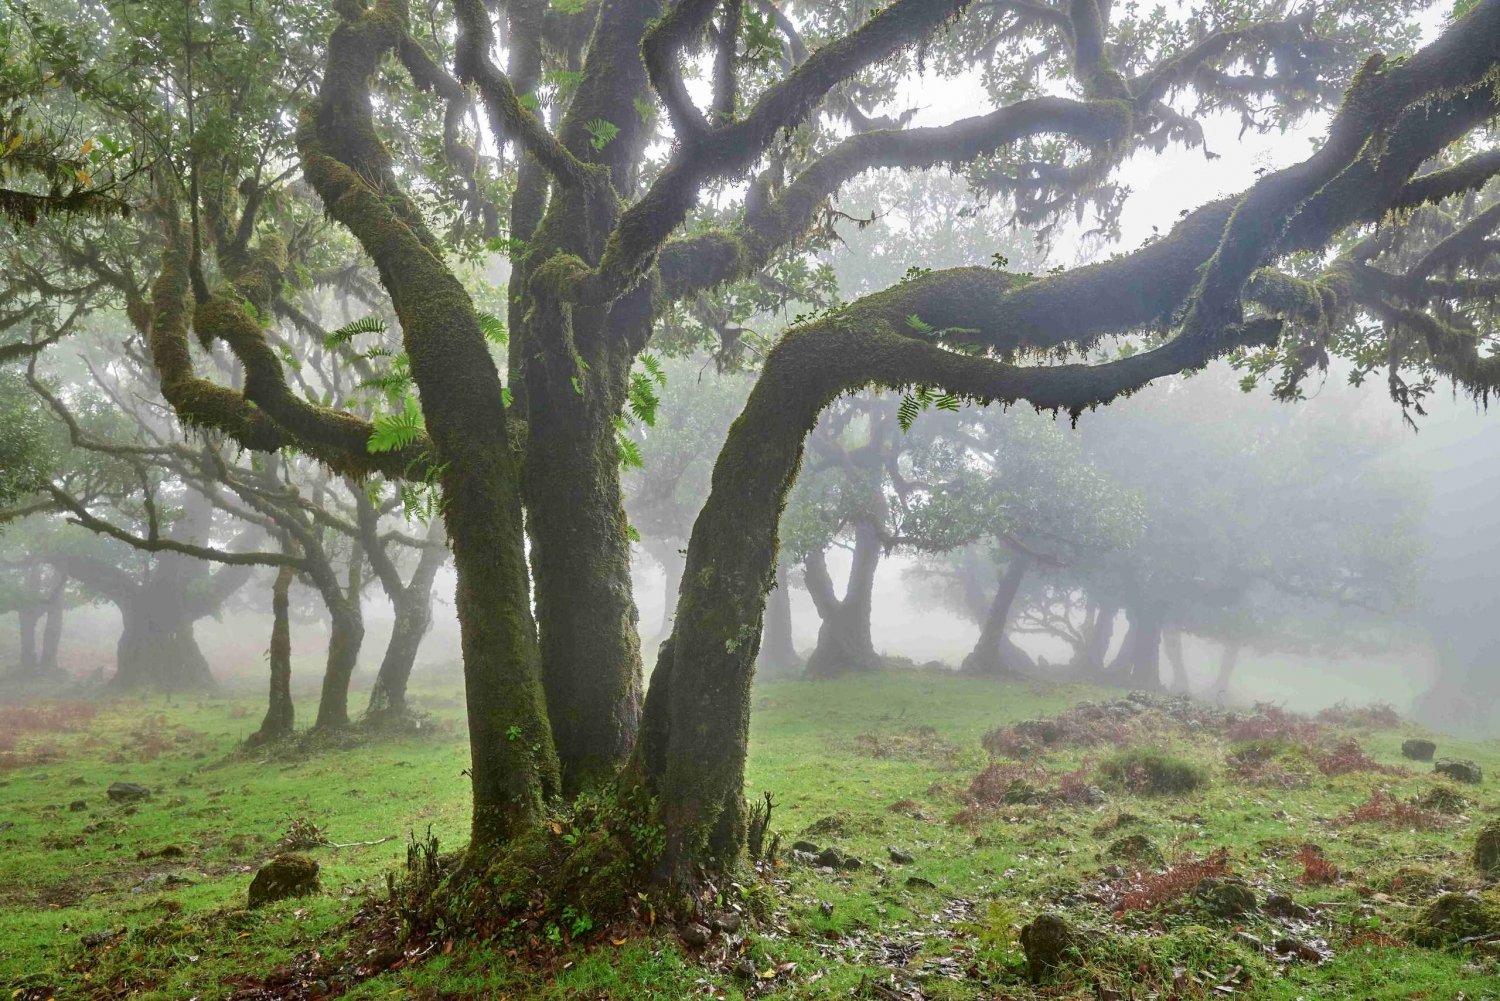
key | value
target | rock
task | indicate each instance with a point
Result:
(1226, 898)
(1279, 905)
(728, 922)
(78, 806)
(1451, 918)
(901, 857)
(805, 846)
(94, 939)
(918, 883)
(852, 863)
(1487, 849)
(161, 881)
(1298, 950)
(77, 780)
(804, 858)
(1095, 796)
(1418, 749)
(288, 875)
(1042, 731)
(830, 857)
(1460, 771)
(127, 792)
(745, 968)
(825, 908)
(6, 825)
(1136, 848)
(695, 935)
(1246, 939)
(1048, 942)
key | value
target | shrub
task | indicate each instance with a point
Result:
(1176, 881)
(1384, 808)
(1316, 869)
(1347, 756)
(1147, 770)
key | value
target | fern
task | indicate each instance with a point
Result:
(398, 430)
(347, 333)
(641, 398)
(493, 329)
(601, 132)
(906, 414)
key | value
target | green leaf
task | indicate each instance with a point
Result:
(347, 333)
(601, 132)
(398, 430)
(493, 329)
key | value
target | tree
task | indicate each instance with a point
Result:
(608, 238)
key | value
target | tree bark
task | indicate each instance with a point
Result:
(28, 616)
(1171, 642)
(844, 639)
(413, 618)
(157, 649)
(669, 558)
(988, 656)
(778, 654)
(1138, 664)
(280, 712)
(1090, 664)
(52, 627)
(346, 633)
(1228, 660)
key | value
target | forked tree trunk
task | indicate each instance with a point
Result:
(1090, 662)
(989, 654)
(1228, 660)
(280, 712)
(1138, 664)
(157, 649)
(1171, 643)
(413, 608)
(778, 654)
(580, 559)
(844, 639)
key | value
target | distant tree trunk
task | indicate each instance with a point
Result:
(777, 653)
(28, 617)
(52, 627)
(1171, 641)
(991, 654)
(1138, 664)
(280, 713)
(669, 559)
(1089, 664)
(157, 648)
(1227, 663)
(346, 634)
(844, 640)
(413, 609)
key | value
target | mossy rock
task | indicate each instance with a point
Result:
(1443, 798)
(1412, 884)
(1136, 848)
(1050, 942)
(1466, 772)
(1226, 898)
(1487, 849)
(1154, 772)
(289, 875)
(1020, 793)
(1452, 918)
(1418, 749)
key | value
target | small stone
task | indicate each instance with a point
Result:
(901, 856)
(1298, 950)
(830, 857)
(825, 908)
(78, 806)
(745, 968)
(127, 792)
(727, 922)
(94, 939)
(1247, 939)
(918, 883)
(805, 846)
(1279, 905)
(1047, 941)
(1460, 771)
(695, 935)
(851, 863)
(1418, 749)
(804, 858)
(288, 875)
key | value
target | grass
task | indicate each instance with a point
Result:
(866, 763)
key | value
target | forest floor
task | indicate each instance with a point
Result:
(1300, 868)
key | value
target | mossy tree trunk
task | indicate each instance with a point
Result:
(1228, 660)
(1138, 664)
(411, 602)
(989, 655)
(157, 648)
(346, 634)
(52, 625)
(281, 714)
(1171, 644)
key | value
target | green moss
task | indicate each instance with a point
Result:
(1451, 918)
(1148, 770)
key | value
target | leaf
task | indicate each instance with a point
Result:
(493, 329)
(396, 431)
(601, 132)
(346, 333)
(906, 414)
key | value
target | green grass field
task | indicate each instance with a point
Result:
(861, 765)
